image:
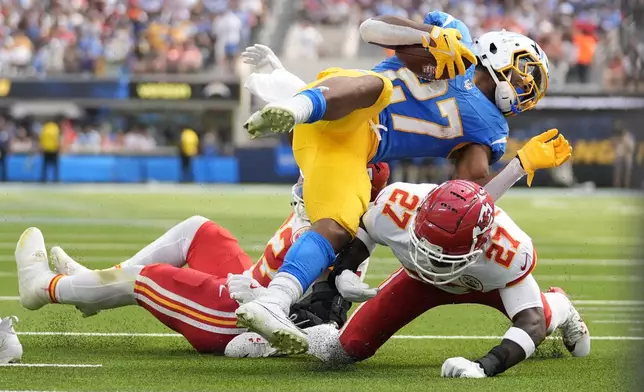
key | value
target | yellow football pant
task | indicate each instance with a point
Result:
(333, 157)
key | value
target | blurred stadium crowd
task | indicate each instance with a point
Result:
(595, 43)
(119, 36)
(587, 40)
(82, 136)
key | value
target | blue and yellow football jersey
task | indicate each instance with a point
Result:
(433, 119)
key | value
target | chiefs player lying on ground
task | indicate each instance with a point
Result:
(193, 301)
(455, 247)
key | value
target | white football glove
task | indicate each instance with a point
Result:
(353, 289)
(460, 367)
(243, 288)
(262, 57)
(269, 81)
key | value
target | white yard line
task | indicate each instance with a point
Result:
(112, 246)
(631, 321)
(607, 302)
(594, 262)
(427, 337)
(29, 390)
(576, 302)
(454, 337)
(56, 365)
(77, 246)
(562, 278)
(593, 309)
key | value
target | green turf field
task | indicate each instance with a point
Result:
(586, 243)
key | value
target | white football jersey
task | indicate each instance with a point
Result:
(507, 258)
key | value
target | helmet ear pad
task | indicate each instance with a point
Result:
(505, 97)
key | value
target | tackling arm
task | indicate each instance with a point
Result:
(523, 304)
(543, 151)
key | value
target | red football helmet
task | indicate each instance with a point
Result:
(378, 174)
(449, 231)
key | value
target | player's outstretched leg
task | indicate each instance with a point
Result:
(327, 99)
(39, 286)
(172, 247)
(565, 317)
(64, 264)
(34, 274)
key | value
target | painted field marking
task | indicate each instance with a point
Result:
(597, 302)
(616, 321)
(428, 337)
(56, 365)
(29, 390)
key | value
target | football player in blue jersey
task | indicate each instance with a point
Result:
(347, 118)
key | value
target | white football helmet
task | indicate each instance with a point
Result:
(297, 199)
(505, 54)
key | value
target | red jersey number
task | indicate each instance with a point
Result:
(274, 253)
(498, 252)
(404, 200)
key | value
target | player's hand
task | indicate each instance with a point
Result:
(460, 367)
(448, 51)
(352, 288)
(262, 57)
(544, 152)
(243, 288)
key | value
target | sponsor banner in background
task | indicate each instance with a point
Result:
(62, 89)
(590, 132)
(108, 89)
(285, 165)
(592, 136)
(178, 91)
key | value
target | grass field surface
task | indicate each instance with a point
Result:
(587, 244)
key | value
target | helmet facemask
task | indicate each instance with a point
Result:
(435, 267)
(520, 85)
(297, 202)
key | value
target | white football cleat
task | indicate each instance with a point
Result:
(270, 321)
(576, 336)
(34, 274)
(271, 119)
(10, 347)
(249, 345)
(64, 264)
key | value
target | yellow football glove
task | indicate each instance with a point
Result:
(449, 51)
(544, 152)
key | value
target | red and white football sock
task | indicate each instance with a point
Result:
(560, 307)
(171, 248)
(96, 290)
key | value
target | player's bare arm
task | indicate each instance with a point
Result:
(443, 46)
(530, 324)
(391, 31)
(544, 151)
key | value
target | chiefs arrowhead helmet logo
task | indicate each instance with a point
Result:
(486, 218)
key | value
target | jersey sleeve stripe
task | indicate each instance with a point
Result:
(528, 272)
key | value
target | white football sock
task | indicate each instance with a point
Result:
(98, 290)
(171, 248)
(300, 105)
(560, 307)
(284, 290)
